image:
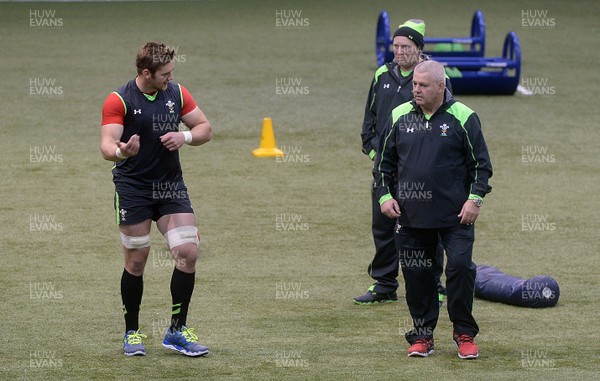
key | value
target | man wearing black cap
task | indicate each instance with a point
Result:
(391, 86)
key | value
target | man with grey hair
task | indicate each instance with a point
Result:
(433, 147)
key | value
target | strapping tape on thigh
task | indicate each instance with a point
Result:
(135, 242)
(182, 235)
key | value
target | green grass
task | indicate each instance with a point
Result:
(233, 56)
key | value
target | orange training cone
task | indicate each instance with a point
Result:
(267, 142)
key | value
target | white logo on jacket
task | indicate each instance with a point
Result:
(444, 127)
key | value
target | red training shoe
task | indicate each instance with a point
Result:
(421, 348)
(467, 349)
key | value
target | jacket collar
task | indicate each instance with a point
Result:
(448, 101)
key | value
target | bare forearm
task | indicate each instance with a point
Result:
(201, 133)
(109, 151)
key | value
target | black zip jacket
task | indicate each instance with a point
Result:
(439, 163)
(388, 89)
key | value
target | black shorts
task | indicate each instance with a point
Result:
(134, 204)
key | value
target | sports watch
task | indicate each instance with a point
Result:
(477, 201)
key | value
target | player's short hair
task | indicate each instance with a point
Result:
(434, 69)
(153, 56)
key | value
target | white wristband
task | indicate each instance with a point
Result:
(187, 135)
(120, 155)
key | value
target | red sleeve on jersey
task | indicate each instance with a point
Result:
(188, 102)
(113, 110)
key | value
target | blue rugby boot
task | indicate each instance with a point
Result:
(184, 341)
(132, 343)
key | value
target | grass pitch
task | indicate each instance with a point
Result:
(272, 301)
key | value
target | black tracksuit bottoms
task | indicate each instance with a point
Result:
(384, 267)
(417, 250)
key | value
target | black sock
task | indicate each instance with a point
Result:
(182, 286)
(132, 288)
